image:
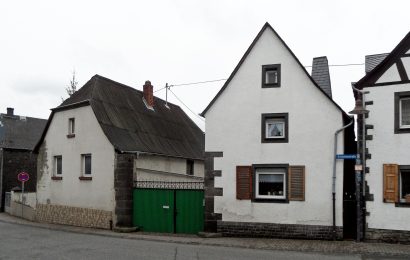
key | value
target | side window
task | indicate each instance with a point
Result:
(404, 183)
(275, 128)
(86, 168)
(271, 76)
(190, 167)
(58, 165)
(402, 112)
(71, 128)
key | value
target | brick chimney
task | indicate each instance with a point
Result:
(10, 111)
(148, 93)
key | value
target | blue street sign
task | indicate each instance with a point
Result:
(346, 156)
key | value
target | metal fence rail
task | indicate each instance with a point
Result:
(169, 185)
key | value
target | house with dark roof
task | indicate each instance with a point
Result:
(271, 136)
(386, 128)
(114, 156)
(18, 136)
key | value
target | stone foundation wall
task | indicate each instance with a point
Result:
(389, 236)
(73, 216)
(249, 229)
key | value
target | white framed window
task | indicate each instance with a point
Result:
(58, 166)
(275, 128)
(270, 183)
(71, 126)
(86, 169)
(271, 76)
(404, 182)
(404, 112)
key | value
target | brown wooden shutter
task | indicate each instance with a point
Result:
(296, 183)
(390, 183)
(244, 182)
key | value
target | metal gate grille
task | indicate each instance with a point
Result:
(169, 185)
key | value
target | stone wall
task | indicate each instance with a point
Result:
(249, 229)
(123, 186)
(14, 162)
(74, 216)
(389, 236)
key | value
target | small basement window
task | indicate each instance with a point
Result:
(271, 76)
(275, 128)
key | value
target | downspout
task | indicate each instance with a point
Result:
(334, 177)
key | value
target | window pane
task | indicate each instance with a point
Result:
(58, 165)
(271, 182)
(271, 77)
(87, 164)
(275, 129)
(405, 111)
(405, 183)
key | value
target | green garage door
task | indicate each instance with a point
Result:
(169, 211)
(154, 210)
(189, 211)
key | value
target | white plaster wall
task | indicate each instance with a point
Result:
(406, 64)
(233, 126)
(161, 168)
(392, 74)
(89, 138)
(386, 147)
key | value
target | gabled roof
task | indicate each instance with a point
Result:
(19, 132)
(320, 73)
(267, 26)
(393, 57)
(131, 127)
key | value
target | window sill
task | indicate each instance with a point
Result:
(56, 178)
(256, 200)
(273, 85)
(402, 204)
(85, 178)
(70, 135)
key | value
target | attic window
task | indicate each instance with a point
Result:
(275, 128)
(71, 128)
(271, 76)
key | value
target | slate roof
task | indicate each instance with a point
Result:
(266, 27)
(18, 132)
(131, 127)
(320, 73)
(371, 61)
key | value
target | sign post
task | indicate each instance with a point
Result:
(23, 177)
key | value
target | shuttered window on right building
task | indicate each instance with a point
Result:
(297, 183)
(396, 183)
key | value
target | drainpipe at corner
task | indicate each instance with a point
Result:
(334, 177)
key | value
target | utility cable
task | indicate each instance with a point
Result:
(186, 106)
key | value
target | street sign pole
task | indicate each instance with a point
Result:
(23, 177)
(22, 199)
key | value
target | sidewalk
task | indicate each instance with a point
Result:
(331, 247)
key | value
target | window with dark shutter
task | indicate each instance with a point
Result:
(297, 183)
(390, 183)
(244, 182)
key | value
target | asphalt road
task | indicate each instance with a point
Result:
(26, 242)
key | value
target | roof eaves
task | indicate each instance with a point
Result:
(267, 25)
(373, 75)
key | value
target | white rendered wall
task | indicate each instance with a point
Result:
(161, 168)
(89, 138)
(233, 126)
(386, 147)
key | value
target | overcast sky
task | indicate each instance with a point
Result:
(177, 42)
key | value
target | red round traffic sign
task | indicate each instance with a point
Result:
(23, 176)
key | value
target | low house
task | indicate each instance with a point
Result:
(112, 155)
(387, 135)
(18, 136)
(269, 146)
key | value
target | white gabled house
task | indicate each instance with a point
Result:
(270, 149)
(387, 144)
(114, 156)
